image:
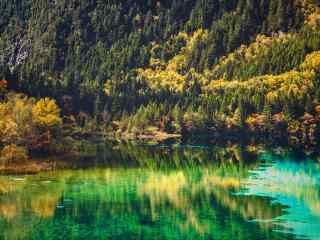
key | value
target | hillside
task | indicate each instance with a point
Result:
(55, 47)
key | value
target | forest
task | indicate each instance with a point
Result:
(151, 69)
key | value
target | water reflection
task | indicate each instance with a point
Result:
(177, 192)
(293, 183)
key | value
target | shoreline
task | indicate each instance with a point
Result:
(158, 136)
(52, 162)
(36, 164)
(219, 136)
(28, 167)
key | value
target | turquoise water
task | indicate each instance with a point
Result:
(122, 191)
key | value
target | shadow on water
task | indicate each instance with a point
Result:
(168, 191)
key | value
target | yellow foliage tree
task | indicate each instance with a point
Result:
(312, 62)
(8, 128)
(20, 113)
(172, 75)
(13, 153)
(46, 113)
(247, 54)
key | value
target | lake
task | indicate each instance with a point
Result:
(168, 191)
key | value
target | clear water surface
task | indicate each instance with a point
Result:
(124, 191)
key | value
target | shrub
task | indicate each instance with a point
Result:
(13, 154)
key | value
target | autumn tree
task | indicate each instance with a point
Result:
(46, 113)
(46, 116)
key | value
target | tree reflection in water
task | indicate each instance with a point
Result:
(176, 192)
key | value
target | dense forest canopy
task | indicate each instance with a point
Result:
(62, 47)
(178, 65)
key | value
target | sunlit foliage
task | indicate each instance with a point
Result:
(175, 74)
(46, 113)
(26, 124)
(13, 154)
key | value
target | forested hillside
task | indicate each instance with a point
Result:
(178, 66)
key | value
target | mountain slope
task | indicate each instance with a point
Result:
(44, 43)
